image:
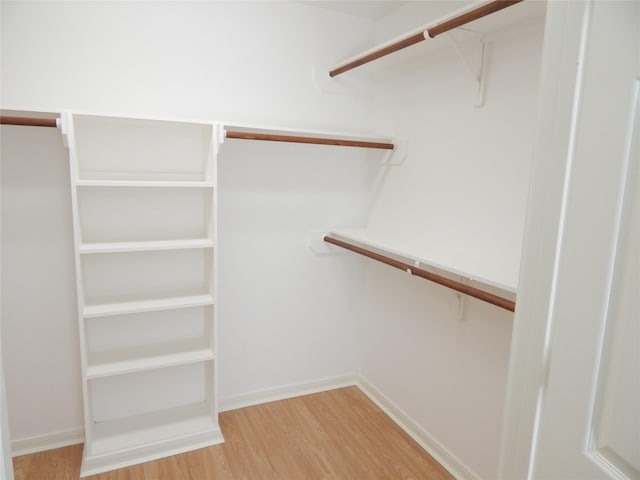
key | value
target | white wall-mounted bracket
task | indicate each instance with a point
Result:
(461, 301)
(315, 241)
(218, 136)
(416, 264)
(63, 124)
(220, 133)
(399, 154)
(474, 64)
(461, 305)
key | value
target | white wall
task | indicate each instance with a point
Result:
(465, 185)
(287, 314)
(39, 324)
(233, 61)
(284, 315)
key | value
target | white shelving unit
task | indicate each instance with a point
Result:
(144, 214)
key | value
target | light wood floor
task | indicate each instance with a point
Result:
(338, 434)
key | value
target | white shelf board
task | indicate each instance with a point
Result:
(464, 263)
(147, 357)
(151, 428)
(144, 246)
(149, 305)
(143, 183)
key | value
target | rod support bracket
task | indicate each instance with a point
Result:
(399, 154)
(63, 124)
(460, 312)
(219, 135)
(315, 242)
(474, 64)
(461, 306)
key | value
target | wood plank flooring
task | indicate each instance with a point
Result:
(339, 434)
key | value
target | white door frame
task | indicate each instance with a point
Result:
(558, 116)
(527, 363)
(6, 464)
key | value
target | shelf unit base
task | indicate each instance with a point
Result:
(119, 445)
(93, 465)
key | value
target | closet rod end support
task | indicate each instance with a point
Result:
(400, 151)
(317, 244)
(63, 122)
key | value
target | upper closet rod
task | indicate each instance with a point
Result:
(445, 26)
(313, 140)
(419, 272)
(28, 121)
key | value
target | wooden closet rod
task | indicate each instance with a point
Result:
(479, 12)
(419, 272)
(28, 121)
(51, 122)
(314, 140)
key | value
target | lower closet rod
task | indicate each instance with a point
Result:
(419, 272)
(28, 121)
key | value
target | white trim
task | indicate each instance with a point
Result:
(267, 395)
(551, 315)
(6, 465)
(47, 441)
(434, 448)
(439, 452)
(528, 359)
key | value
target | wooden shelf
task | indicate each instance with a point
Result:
(147, 357)
(135, 306)
(143, 246)
(473, 266)
(143, 183)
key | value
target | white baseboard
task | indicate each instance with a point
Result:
(286, 391)
(47, 441)
(443, 456)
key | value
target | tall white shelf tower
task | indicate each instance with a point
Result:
(144, 217)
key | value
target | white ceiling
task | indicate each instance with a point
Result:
(360, 8)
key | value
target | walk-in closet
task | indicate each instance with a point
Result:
(320, 239)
